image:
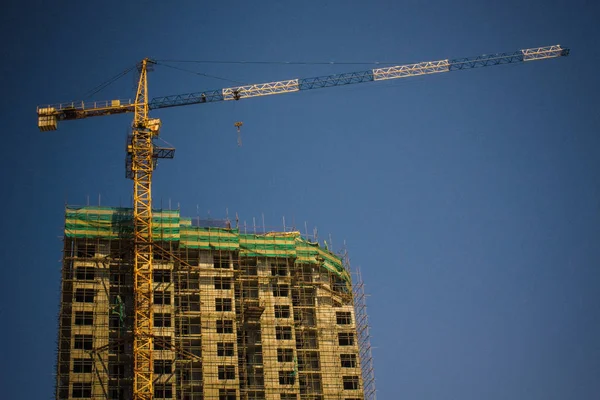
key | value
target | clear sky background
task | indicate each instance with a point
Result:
(470, 200)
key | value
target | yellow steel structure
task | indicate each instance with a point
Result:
(144, 129)
(142, 155)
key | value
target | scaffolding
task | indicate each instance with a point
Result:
(269, 315)
(364, 336)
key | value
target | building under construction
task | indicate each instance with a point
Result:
(237, 314)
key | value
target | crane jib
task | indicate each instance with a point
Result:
(49, 115)
(401, 71)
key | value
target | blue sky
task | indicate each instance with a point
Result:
(470, 200)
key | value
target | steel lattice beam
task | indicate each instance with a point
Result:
(142, 153)
(401, 71)
(48, 116)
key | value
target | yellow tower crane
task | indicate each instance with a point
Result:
(142, 165)
(142, 155)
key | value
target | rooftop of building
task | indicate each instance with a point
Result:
(113, 223)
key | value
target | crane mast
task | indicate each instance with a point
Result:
(142, 155)
(142, 165)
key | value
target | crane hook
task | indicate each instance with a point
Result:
(238, 125)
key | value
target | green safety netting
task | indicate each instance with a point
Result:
(114, 223)
(194, 237)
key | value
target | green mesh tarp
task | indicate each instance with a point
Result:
(194, 237)
(167, 225)
(268, 245)
(113, 223)
(311, 253)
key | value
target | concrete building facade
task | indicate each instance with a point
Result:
(236, 315)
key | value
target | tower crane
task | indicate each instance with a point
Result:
(142, 155)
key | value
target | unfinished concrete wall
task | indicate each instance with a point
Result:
(226, 325)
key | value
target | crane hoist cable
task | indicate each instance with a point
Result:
(199, 73)
(282, 62)
(107, 83)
